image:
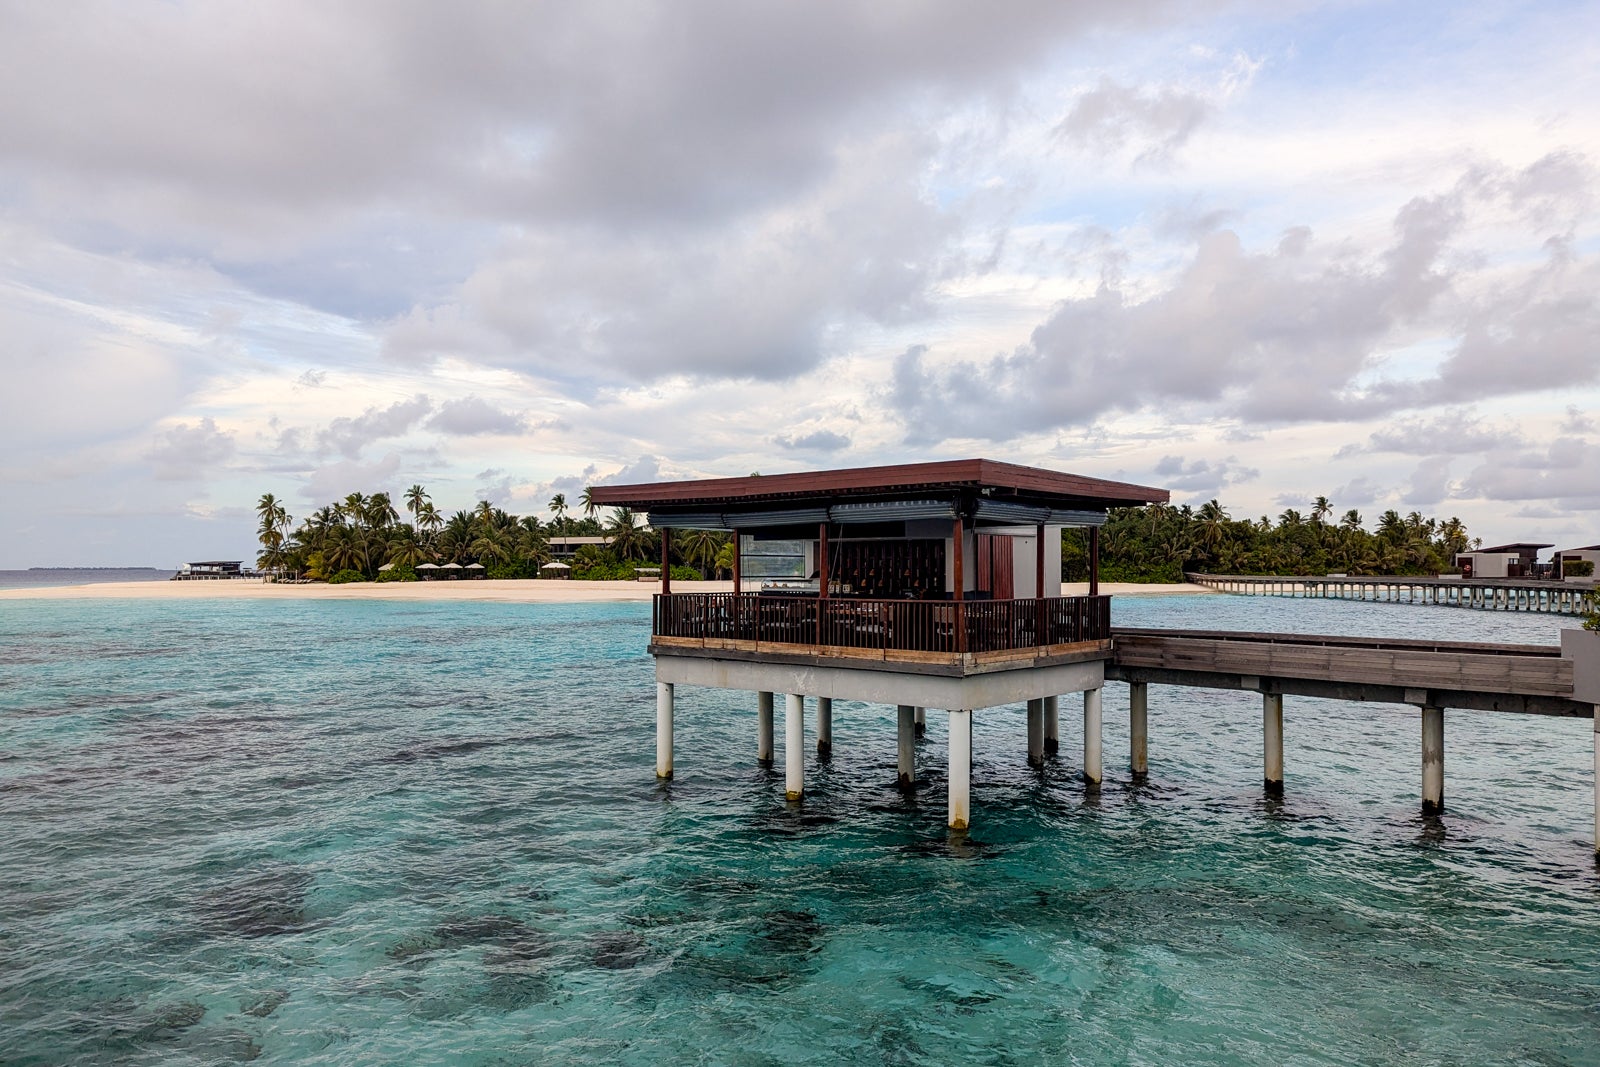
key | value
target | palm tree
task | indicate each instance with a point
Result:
(1213, 525)
(586, 501)
(1290, 518)
(484, 511)
(416, 498)
(1390, 527)
(380, 511)
(558, 505)
(491, 546)
(273, 531)
(404, 551)
(627, 539)
(699, 547)
(354, 508)
(1351, 520)
(429, 520)
(345, 549)
(1320, 510)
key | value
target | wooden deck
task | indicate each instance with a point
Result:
(1524, 679)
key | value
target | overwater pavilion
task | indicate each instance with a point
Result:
(885, 607)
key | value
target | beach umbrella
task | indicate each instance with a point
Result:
(427, 566)
(386, 567)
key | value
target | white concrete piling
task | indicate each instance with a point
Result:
(764, 729)
(794, 746)
(663, 729)
(1139, 728)
(960, 773)
(1036, 733)
(1272, 741)
(906, 742)
(1052, 725)
(922, 721)
(824, 727)
(1091, 737)
(1432, 761)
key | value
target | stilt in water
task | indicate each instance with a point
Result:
(1052, 725)
(664, 730)
(794, 746)
(960, 772)
(1139, 729)
(1432, 761)
(905, 736)
(1272, 742)
(824, 727)
(1091, 738)
(764, 729)
(1036, 733)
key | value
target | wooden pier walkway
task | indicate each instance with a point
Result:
(1430, 675)
(1490, 594)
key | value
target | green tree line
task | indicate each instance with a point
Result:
(355, 538)
(1158, 543)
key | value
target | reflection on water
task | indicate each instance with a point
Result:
(367, 832)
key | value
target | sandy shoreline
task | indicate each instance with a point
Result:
(507, 592)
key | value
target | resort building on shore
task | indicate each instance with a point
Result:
(1589, 554)
(564, 546)
(212, 569)
(926, 585)
(1501, 561)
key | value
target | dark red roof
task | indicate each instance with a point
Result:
(899, 481)
(1518, 547)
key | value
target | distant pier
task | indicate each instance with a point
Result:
(1485, 594)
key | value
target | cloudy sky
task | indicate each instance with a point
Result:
(1256, 251)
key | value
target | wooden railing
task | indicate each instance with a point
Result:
(890, 625)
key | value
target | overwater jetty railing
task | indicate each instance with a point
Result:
(1487, 594)
(944, 627)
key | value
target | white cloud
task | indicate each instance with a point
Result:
(523, 250)
(188, 453)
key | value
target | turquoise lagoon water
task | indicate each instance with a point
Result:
(375, 833)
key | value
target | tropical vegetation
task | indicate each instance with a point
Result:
(365, 538)
(1158, 543)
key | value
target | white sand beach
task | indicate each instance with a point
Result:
(510, 592)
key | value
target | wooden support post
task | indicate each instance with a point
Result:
(1432, 761)
(764, 729)
(1052, 725)
(794, 746)
(824, 727)
(738, 568)
(666, 562)
(922, 722)
(822, 561)
(1036, 733)
(1094, 561)
(960, 771)
(1091, 738)
(1139, 728)
(959, 615)
(1038, 566)
(1272, 741)
(905, 737)
(664, 730)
